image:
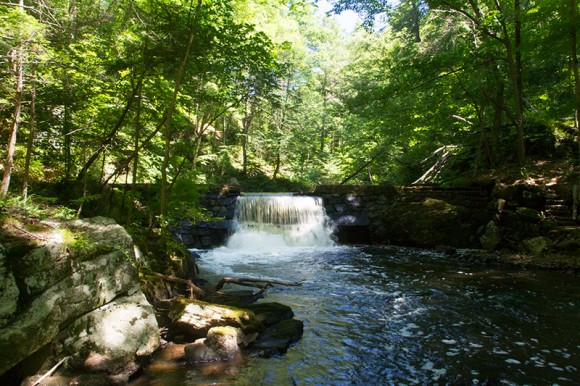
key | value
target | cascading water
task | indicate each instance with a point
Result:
(280, 220)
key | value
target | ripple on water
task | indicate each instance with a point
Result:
(395, 315)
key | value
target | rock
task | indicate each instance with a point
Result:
(535, 245)
(81, 276)
(429, 223)
(9, 291)
(221, 343)
(194, 318)
(270, 313)
(276, 339)
(112, 338)
(528, 214)
(234, 182)
(350, 219)
(491, 236)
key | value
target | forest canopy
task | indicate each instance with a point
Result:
(174, 92)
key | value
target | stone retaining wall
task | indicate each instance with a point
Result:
(492, 216)
(357, 212)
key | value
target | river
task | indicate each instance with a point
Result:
(393, 316)
(386, 315)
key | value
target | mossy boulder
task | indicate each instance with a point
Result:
(535, 245)
(221, 343)
(194, 318)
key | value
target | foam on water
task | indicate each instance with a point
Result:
(273, 221)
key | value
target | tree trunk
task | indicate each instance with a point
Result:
(109, 137)
(135, 156)
(67, 138)
(278, 161)
(324, 111)
(574, 55)
(416, 21)
(513, 56)
(247, 123)
(30, 145)
(163, 199)
(9, 162)
(518, 86)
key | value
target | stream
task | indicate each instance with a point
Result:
(388, 315)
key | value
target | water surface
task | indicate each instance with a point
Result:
(386, 315)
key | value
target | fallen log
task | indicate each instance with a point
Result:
(253, 282)
(192, 288)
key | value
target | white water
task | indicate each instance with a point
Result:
(272, 221)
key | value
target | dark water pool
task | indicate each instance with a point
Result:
(396, 316)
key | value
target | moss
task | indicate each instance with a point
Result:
(438, 205)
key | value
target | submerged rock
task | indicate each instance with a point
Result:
(276, 339)
(270, 313)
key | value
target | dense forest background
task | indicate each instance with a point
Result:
(185, 93)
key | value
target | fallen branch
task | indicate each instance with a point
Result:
(34, 236)
(252, 282)
(50, 372)
(193, 289)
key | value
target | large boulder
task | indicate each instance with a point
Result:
(79, 294)
(491, 236)
(113, 338)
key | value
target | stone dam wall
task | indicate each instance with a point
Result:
(490, 216)
(357, 212)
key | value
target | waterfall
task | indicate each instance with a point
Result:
(280, 220)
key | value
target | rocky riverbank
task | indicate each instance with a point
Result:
(70, 296)
(72, 308)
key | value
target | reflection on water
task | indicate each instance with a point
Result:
(392, 315)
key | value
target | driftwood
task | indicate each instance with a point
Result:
(193, 289)
(261, 284)
(254, 282)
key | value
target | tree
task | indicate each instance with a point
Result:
(573, 28)
(20, 52)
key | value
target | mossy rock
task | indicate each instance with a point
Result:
(528, 214)
(430, 223)
(270, 313)
(193, 318)
(535, 245)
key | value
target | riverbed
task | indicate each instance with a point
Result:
(389, 315)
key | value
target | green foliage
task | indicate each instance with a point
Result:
(273, 92)
(184, 200)
(38, 206)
